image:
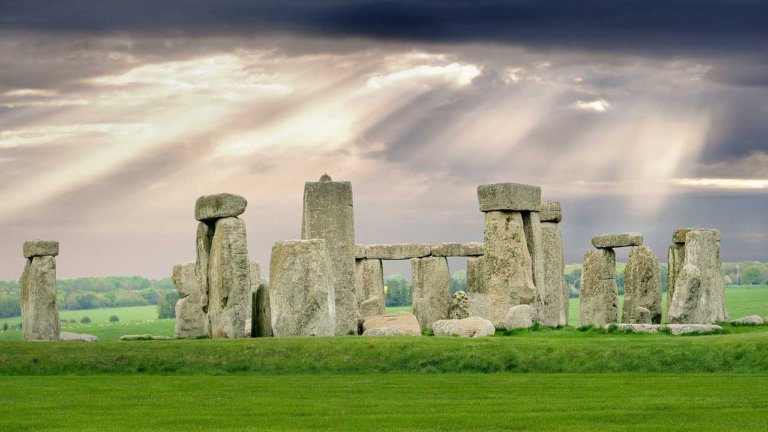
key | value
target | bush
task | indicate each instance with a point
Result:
(5, 326)
(85, 320)
(114, 318)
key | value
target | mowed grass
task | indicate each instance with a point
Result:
(471, 402)
(133, 320)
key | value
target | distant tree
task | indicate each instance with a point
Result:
(166, 307)
(727, 280)
(85, 320)
(459, 281)
(751, 276)
(114, 318)
(5, 326)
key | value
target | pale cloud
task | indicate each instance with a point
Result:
(723, 183)
(456, 74)
(598, 105)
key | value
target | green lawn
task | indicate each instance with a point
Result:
(471, 402)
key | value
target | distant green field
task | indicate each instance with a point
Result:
(384, 402)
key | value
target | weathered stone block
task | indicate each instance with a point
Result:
(533, 238)
(229, 283)
(399, 324)
(431, 289)
(598, 300)
(476, 276)
(37, 286)
(551, 212)
(329, 215)
(642, 285)
(520, 316)
(509, 197)
(699, 288)
(640, 315)
(467, 327)
(369, 287)
(190, 314)
(211, 207)
(675, 261)
(553, 292)
(398, 251)
(301, 289)
(617, 240)
(750, 320)
(459, 308)
(679, 235)
(40, 248)
(457, 249)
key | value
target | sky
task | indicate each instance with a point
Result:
(115, 116)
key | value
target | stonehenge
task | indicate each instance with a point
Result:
(553, 298)
(642, 286)
(37, 291)
(431, 289)
(599, 297)
(190, 308)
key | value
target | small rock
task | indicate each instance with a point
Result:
(81, 337)
(211, 207)
(520, 316)
(467, 327)
(750, 320)
(399, 324)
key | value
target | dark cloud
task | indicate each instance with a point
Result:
(655, 26)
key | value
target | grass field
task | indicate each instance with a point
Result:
(471, 402)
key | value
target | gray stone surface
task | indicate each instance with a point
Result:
(551, 212)
(553, 292)
(699, 288)
(229, 283)
(224, 205)
(398, 251)
(679, 235)
(399, 324)
(533, 238)
(466, 327)
(480, 305)
(431, 289)
(476, 276)
(599, 296)
(40, 248)
(77, 337)
(675, 261)
(37, 286)
(509, 197)
(641, 315)
(369, 287)
(459, 308)
(617, 240)
(675, 329)
(520, 316)
(260, 319)
(750, 320)
(301, 289)
(190, 310)
(360, 251)
(507, 264)
(329, 215)
(457, 249)
(642, 285)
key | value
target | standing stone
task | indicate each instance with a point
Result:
(479, 303)
(641, 315)
(40, 316)
(459, 308)
(599, 295)
(553, 292)
(229, 285)
(533, 238)
(642, 285)
(203, 241)
(301, 289)
(369, 287)
(675, 260)
(699, 287)
(520, 316)
(507, 264)
(329, 215)
(260, 319)
(431, 289)
(190, 316)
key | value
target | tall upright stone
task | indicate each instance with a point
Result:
(642, 286)
(699, 294)
(533, 238)
(553, 291)
(431, 289)
(479, 302)
(261, 318)
(39, 313)
(508, 265)
(598, 300)
(190, 316)
(301, 289)
(369, 288)
(675, 259)
(329, 215)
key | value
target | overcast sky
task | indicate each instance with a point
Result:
(115, 116)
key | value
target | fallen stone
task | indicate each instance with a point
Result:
(329, 214)
(224, 205)
(552, 303)
(301, 289)
(37, 287)
(371, 307)
(509, 197)
(641, 316)
(642, 285)
(397, 251)
(399, 324)
(550, 212)
(431, 289)
(467, 327)
(229, 282)
(507, 264)
(77, 337)
(190, 310)
(617, 240)
(369, 287)
(143, 337)
(40, 248)
(459, 308)
(520, 316)
(457, 249)
(750, 320)
(679, 235)
(675, 329)
(599, 296)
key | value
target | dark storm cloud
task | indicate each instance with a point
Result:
(657, 26)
